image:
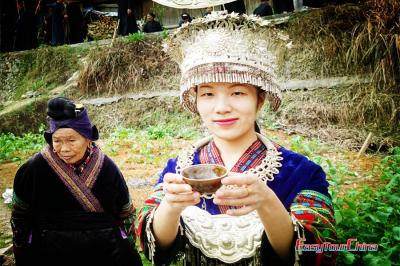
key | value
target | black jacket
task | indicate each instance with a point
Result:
(50, 226)
(263, 10)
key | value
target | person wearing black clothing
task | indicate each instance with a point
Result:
(57, 22)
(75, 23)
(236, 6)
(185, 18)
(47, 26)
(126, 16)
(281, 6)
(71, 204)
(151, 24)
(9, 17)
(264, 9)
(26, 30)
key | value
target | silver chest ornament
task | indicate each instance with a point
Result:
(223, 237)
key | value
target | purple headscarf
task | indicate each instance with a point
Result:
(81, 123)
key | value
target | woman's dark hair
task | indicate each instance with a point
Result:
(260, 93)
(61, 108)
(257, 128)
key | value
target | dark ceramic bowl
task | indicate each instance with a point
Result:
(204, 178)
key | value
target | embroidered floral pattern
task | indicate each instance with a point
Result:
(81, 186)
(315, 212)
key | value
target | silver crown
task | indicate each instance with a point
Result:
(225, 48)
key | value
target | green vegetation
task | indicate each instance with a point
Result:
(24, 117)
(14, 148)
(372, 216)
(152, 146)
(135, 37)
(37, 71)
(164, 33)
(159, 11)
(5, 240)
(156, 114)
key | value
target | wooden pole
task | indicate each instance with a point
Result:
(365, 145)
(115, 33)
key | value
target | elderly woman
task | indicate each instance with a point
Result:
(273, 200)
(71, 205)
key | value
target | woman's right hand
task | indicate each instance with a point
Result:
(178, 194)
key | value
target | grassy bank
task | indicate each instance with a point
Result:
(36, 71)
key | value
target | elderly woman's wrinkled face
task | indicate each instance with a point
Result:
(69, 145)
(229, 110)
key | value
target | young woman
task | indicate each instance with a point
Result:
(272, 201)
(71, 205)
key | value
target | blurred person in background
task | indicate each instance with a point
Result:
(26, 27)
(208, 11)
(151, 24)
(237, 6)
(185, 18)
(58, 17)
(9, 15)
(126, 16)
(75, 22)
(263, 9)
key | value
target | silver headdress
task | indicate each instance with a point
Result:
(225, 48)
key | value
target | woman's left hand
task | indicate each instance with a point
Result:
(248, 191)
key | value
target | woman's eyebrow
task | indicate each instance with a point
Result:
(234, 85)
(67, 136)
(205, 86)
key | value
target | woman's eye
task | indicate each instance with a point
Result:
(238, 93)
(207, 94)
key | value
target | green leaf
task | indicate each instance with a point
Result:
(374, 259)
(365, 205)
(373, 218)
(396, 233)
(338, 216)
(383, 217)
(349, 258)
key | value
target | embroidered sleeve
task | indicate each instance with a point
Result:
(150, 204)
(144, 225)
(127, 217)
(314, 211)
(125, 209)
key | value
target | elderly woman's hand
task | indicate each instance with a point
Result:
(178, 194)
(246, 191)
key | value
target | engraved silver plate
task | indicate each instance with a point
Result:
(223, 237)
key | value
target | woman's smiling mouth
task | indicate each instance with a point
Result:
(226, 122)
